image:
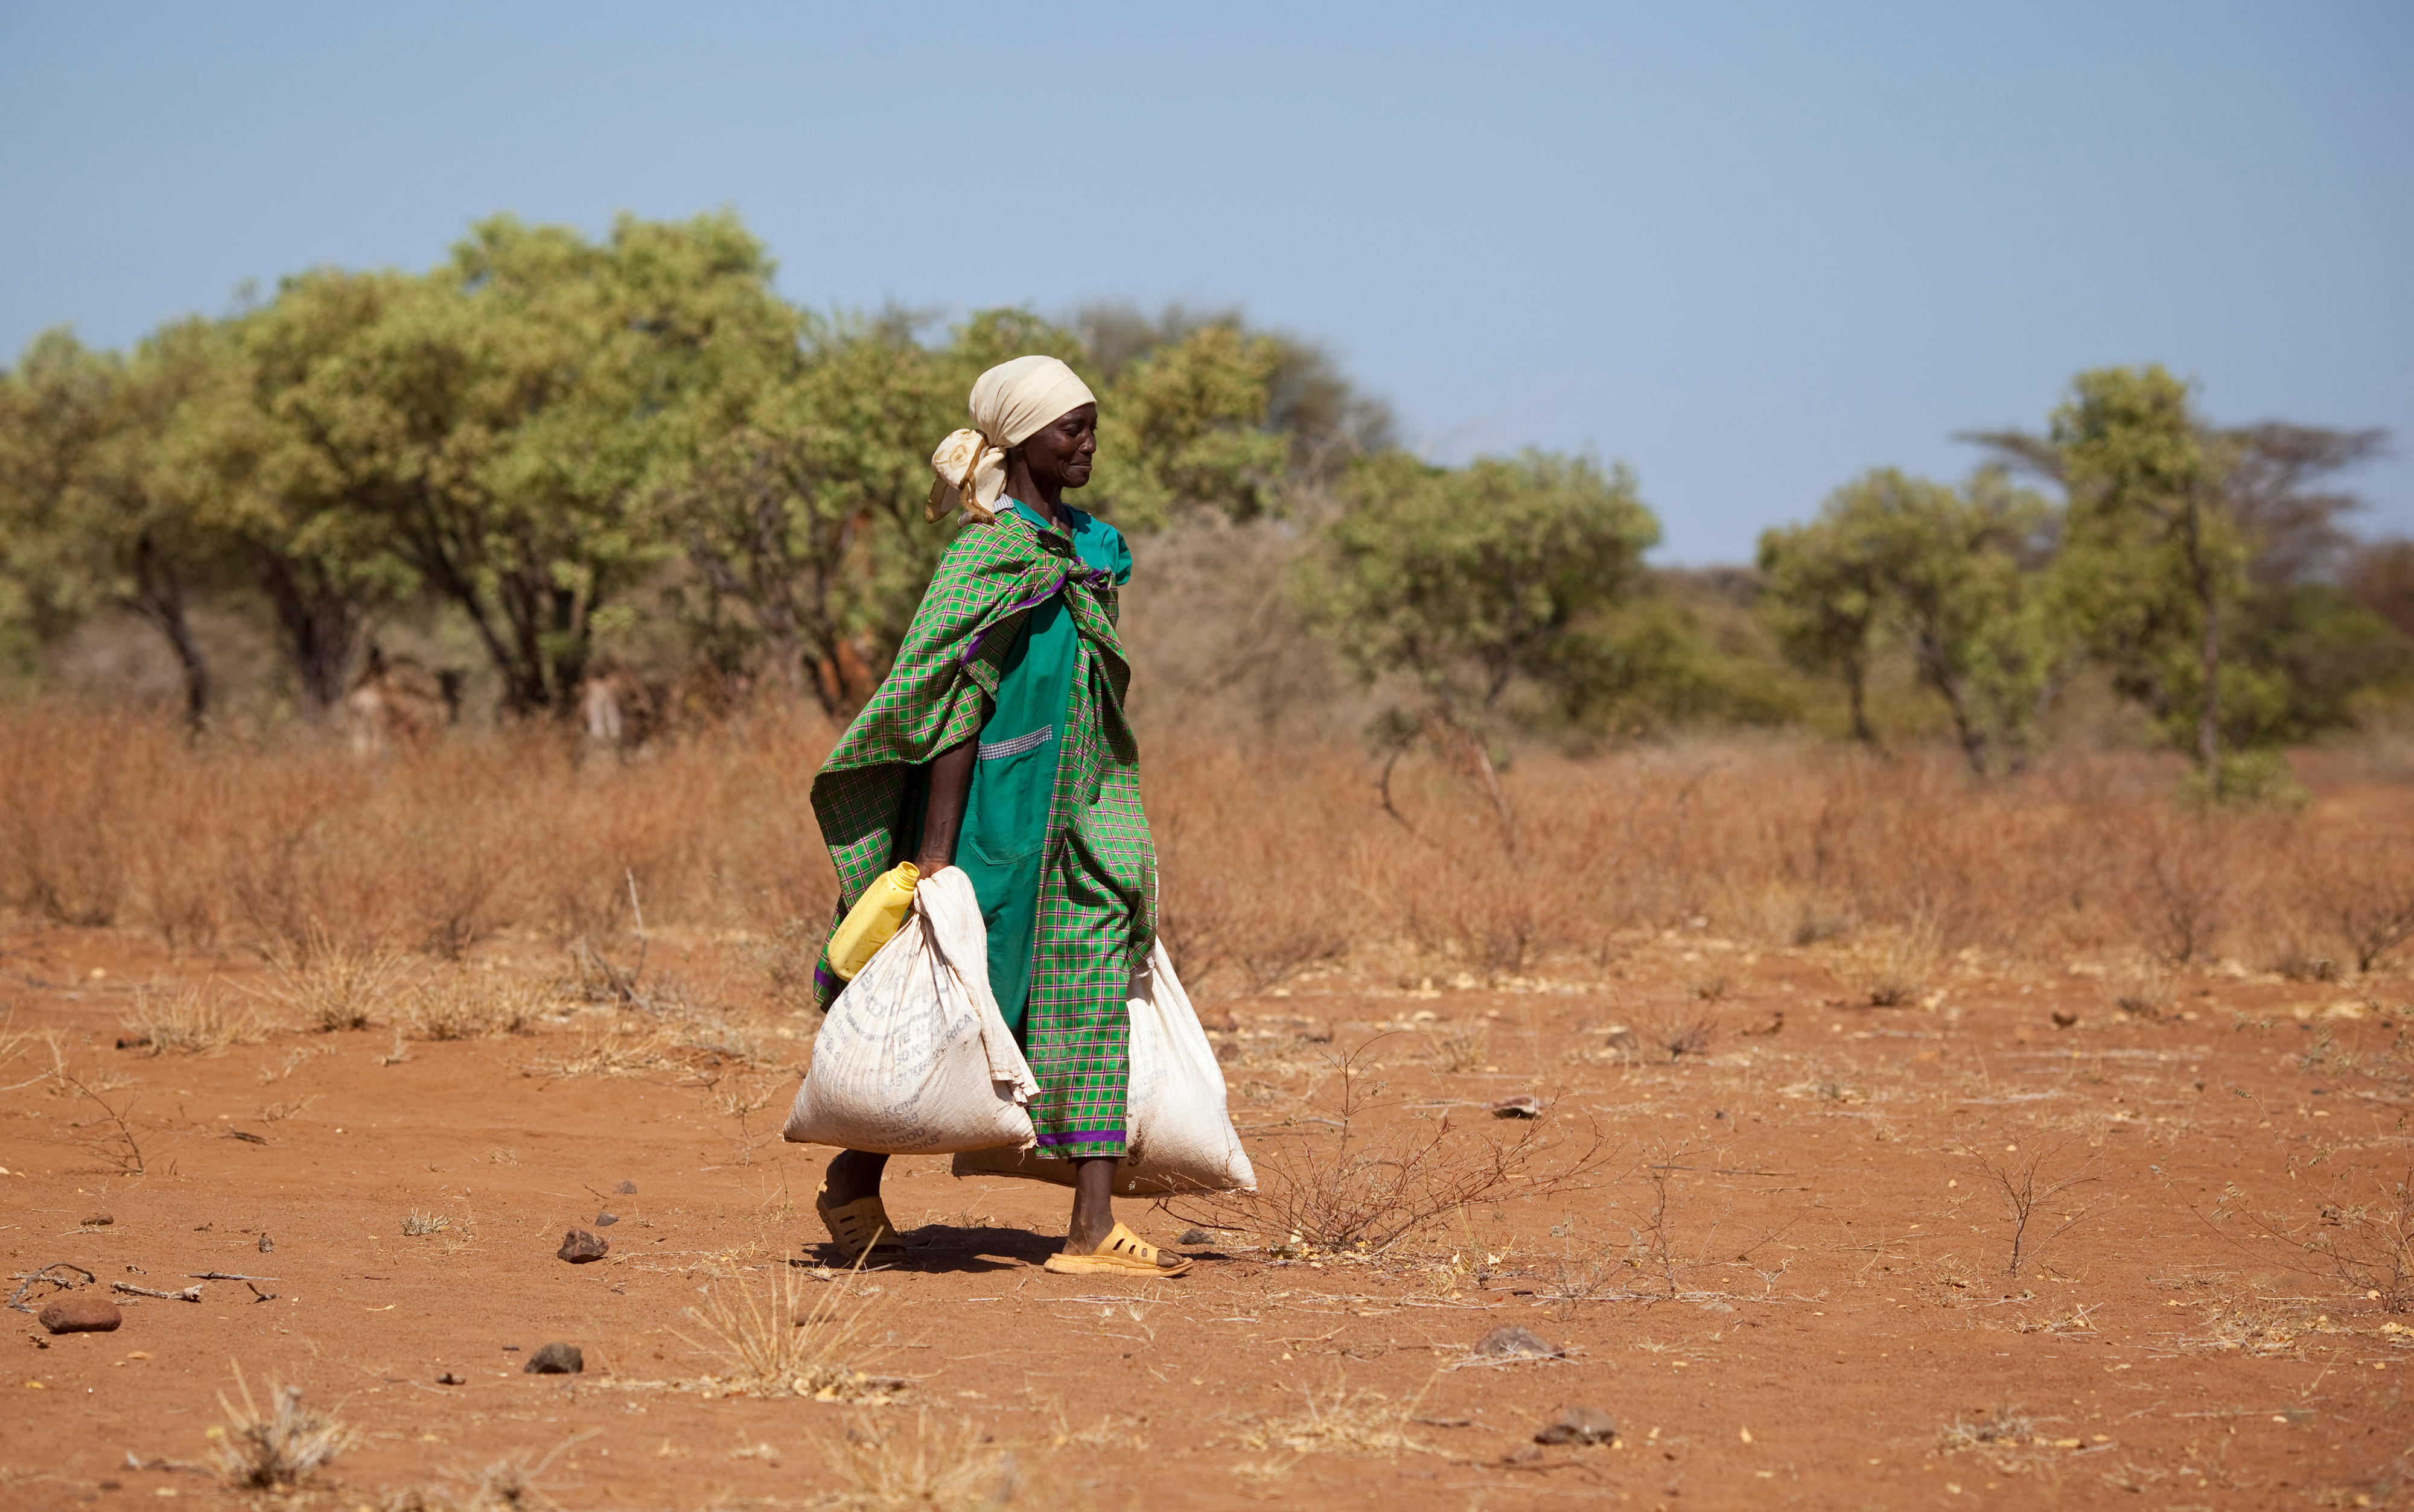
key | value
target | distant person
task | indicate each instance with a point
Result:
(998, 744)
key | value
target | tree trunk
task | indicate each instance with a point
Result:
(2208, 598)
(1857, 682)
(319, 626)
(159, 601)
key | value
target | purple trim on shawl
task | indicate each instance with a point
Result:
(826, 985)
(1095, 578)
(1082, 1137)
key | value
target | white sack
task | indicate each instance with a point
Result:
(1178, 1133)
(914, 1057)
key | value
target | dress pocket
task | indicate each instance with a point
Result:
(1013, 783)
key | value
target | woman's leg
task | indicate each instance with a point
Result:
(1094, 1205)
(853, 1176)
(1094, 1223)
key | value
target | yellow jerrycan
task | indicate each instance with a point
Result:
(874, 921)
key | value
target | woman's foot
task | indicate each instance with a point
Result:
(850, 1208)
(1122, 1254)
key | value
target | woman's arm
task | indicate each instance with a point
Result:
(952, 780)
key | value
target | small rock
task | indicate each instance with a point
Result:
(606, 1220)
(1520, 1106)
(1578, 1425)
(625, 1189)
(81, 1314)
(1228, 1050)
(578, 1247)
(267, 1244)
(1513, 1342)
(448, 1378)
(1195, 1236)
(99, 1220)
(1623, 1038)
(556, 1359)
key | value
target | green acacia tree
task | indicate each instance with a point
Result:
(1464, 583)
(96, 513)
(1960, 577)
(1822, 597)
(300, 490)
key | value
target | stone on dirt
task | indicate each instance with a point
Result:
(81, 1314)
(1195, 1236)
(1513, 1342)
(606, 1220)
(1520, 1106)
(626, 1188)
(99, 1220)
(556, 1359)
(578, 1247)
(1578, 1425)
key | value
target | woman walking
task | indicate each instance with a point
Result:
(998, 744)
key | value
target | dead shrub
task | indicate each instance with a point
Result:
(1356, 1178)
(2361, 1237)
(2035, 1201)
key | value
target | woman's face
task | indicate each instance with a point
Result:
(1058, 452)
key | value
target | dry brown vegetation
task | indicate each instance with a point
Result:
(1276, 860)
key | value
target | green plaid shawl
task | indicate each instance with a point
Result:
(1097, 889)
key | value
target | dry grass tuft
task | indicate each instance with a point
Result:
(469, 1006)
(331, 986)
(1462, 1047)
(947, 1467)
(276, 1449)
(612, 1051)
(1341, 1422)
(773, 1344)
(1893, 971)
(194, 1022)
(2003, 1425)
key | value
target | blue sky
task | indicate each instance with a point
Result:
(1749, 251)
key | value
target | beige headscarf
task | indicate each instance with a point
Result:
(1010, 402)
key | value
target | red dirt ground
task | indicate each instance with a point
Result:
(1829, 1304)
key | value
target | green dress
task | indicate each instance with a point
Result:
(1015, 645)
(1005, 834)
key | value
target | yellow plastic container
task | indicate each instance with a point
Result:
(874, 920)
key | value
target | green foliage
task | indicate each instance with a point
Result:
(560, 447)
(1955, 576)
(96, 513)
(1472, 584)
(798, 493)
(1184, 426)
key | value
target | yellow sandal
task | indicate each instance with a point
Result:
(1124, 1254)
(860, 1229)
